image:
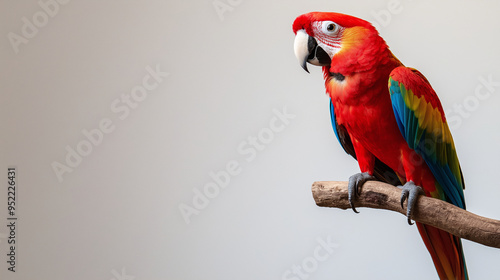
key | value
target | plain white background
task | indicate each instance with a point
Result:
(116, 214)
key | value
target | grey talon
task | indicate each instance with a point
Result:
(410, 192)
(354, 187)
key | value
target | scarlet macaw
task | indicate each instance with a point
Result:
(388, 117)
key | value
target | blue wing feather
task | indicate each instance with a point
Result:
(334, 121)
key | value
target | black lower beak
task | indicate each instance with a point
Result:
(317, 55)
(317, 52)
(307, 50)
(311, 47)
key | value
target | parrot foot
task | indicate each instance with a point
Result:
(354, 187)
(411, 192)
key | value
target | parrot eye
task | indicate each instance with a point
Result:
(329, 27)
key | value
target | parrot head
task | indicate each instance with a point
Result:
(334, 40)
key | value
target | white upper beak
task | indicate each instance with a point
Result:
(301, 49)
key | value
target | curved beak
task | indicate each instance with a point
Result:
(301, 49)
(306, 49)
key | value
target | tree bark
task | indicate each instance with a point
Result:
(430, 211)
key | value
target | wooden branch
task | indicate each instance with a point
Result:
(430, 211)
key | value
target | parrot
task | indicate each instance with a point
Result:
(389, 118)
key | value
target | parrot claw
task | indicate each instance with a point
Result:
(411, 192)
(355, 182)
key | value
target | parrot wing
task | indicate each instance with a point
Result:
(422, 123)
(381, 171)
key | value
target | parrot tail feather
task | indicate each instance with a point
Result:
(446, 252)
